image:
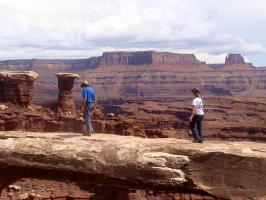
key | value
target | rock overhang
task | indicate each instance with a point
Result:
(17, 86)
(228, 170)
(67, 75)
(19, 75)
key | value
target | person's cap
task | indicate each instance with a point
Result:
(84, 83)
(195, 91)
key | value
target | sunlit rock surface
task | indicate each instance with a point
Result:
(229, 170)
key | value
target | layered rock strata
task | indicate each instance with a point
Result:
(138, 75)
(227, 118)
(47, 119)
(17, 86)
(162, 83)
(107, 58)
(148, 58)
(65, 97)
(227, 170)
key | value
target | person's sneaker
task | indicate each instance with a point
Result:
(201, 141)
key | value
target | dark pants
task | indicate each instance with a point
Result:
(196, 127)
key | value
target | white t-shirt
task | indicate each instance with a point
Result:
(197, 102)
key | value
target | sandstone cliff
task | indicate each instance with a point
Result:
(148, 58)
(213, 170)
(107, 58)
(163, 83)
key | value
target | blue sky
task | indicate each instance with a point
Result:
(84, 28)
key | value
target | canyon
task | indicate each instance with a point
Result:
(144, 94)
(152, 90)
(137, 75)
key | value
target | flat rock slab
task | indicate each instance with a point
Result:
(67, 75)
(19, 75)
(230, 170)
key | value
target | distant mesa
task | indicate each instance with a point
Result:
(234, 59)
(236, 62)
(118, 58)
(148, 58)
(157, 58)
(107, 58)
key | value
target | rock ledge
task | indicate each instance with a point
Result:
(229, 170)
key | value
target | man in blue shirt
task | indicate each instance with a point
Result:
(88, 104)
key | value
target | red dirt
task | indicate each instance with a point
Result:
(45, 185)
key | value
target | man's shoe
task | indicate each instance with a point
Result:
(86, 134)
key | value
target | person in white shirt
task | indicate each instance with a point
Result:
(197, 116)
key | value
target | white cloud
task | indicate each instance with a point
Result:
(209, 58)
(82, 28)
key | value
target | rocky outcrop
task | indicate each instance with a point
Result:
(231, 170)
(65, 99)
(17, 86)
(227, 119)
(232, 59)
(48, 119)
(148, 58)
